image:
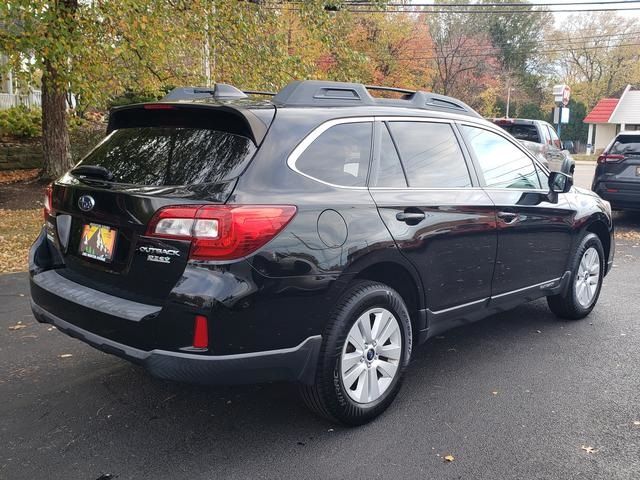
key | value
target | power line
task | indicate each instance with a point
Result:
(567, 42)
(494, 12)
(523, 8)
(517, 5)
(491, 54)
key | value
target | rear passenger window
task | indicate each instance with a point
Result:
(339, 156)
(502, 163)
(388, 171)
(430, 155)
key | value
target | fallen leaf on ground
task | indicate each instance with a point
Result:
(636, 422)
(18, 230)
(494, 393)
(12, 176)
(449, 458)
(65, 355)
(589, 449)
(17, 326)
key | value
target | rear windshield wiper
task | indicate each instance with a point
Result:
(93, 171)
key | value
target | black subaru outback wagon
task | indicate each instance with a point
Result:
(316, 237)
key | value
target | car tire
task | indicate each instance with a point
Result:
(587, 273)
(357, 379)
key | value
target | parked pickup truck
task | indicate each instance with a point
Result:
(540, 138)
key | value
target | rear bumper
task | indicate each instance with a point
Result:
(296, 364)
(625, 196)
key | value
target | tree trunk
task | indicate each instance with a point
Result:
(55, 132)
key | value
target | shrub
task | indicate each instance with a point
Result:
(21, 122)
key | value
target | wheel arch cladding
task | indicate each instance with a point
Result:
(402, 281)
(602, 231)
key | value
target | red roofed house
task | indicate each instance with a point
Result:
(610, 116)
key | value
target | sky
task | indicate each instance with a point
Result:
(561, 17)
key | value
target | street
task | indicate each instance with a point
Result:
(519, 395)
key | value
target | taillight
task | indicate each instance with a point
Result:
(221, 232)
(610, 158)
(48, 201)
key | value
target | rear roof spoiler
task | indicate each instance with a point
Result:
(228, 118)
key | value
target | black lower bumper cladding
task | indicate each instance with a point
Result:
(296, 364)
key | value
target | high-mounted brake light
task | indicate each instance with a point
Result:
(158, 106)
(48, 201)
(221, 232)
(610, 158)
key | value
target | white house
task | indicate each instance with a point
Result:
(10, 96)
(610, 116)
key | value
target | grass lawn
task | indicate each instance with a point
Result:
(585, 158)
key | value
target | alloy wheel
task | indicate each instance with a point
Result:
(588, 277)
(371, 355)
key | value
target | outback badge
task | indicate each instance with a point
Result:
(160, 255)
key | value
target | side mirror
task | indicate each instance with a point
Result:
(560, 182)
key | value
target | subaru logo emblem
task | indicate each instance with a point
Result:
(86, 203)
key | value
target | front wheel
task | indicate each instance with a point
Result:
(586, 281)
(366, 348)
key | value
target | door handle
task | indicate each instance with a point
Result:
(411, 218)
(508, 217)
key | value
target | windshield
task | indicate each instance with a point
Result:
(171, 155)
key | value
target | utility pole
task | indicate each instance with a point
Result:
(207, 73)
(508, 97)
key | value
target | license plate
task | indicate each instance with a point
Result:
(98, 242)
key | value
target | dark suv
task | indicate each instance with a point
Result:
(316, 237)
(617, 175)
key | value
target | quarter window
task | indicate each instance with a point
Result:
(430, 155)
(340, 155)
(502, 163)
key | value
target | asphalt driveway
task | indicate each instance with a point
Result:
(519, 395)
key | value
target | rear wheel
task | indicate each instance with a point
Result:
(366, 348)
(586, 281)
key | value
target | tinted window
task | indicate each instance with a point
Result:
(430, 154)
(626, 145)
(523, 132)
(171, 156)
(503, 164)
(339, 155)
(388, 171)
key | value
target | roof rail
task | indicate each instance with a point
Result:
(219, 90)
(334, 94)
(259, 92)
(389, 89)
(323, 93)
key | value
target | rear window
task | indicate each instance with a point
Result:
(172, 155)
(523, 132)
(626, 145)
